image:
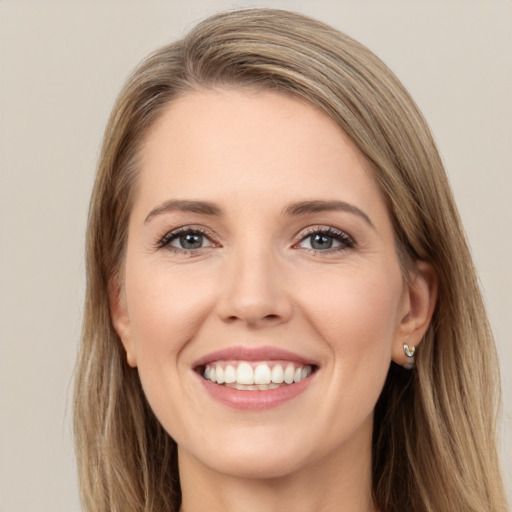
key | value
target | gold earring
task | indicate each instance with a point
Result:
(409, 352)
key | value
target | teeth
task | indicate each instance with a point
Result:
(242, 387)
(305, 372)
(288, 374)
(244, 374)
(277, 374)
(262, 374)
(255, 376)
(229, 374)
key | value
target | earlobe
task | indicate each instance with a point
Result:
(420, 304)
(120, 319)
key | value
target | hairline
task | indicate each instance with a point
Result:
(193, 86)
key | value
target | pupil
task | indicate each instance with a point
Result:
(191, 241)
(320, 241)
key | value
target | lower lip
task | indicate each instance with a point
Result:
(255, 400)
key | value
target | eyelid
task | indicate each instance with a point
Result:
(347, 241)
(164, 241)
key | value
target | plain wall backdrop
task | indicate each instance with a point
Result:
(61, 66)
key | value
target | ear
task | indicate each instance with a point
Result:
(121, 320)
(418, 306)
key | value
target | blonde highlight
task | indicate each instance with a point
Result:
(434, 445)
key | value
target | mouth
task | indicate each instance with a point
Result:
(255, 375)
(255, 378)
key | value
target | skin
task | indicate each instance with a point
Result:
(256, 281)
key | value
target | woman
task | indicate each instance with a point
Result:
(281, 309)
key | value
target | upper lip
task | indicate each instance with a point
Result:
(242, 353)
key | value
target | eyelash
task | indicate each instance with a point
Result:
(168, 238)
(346, 241)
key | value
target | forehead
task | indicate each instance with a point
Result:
(229, 143)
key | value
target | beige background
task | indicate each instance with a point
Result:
(61, 65)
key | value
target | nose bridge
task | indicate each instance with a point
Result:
(253, 289)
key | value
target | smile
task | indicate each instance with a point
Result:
(256, 376)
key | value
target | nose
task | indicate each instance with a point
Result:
(253, 291)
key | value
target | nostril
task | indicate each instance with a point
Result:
(254, 310)
(233, 318)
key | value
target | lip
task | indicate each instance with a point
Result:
(242, 353)
(254, 400)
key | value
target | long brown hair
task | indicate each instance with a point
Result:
(434, 444)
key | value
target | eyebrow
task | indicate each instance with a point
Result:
(316, 206)
(202, 207)
(292, 209)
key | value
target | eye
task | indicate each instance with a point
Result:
(326, 239)
(185, 240)
(189, 241)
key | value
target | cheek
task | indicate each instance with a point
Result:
(165, 308)
(357, 315)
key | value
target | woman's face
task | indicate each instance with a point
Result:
(260, 248)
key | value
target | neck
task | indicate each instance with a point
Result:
(340, 483)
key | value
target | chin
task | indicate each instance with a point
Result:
(256, 464)
(256, 453)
